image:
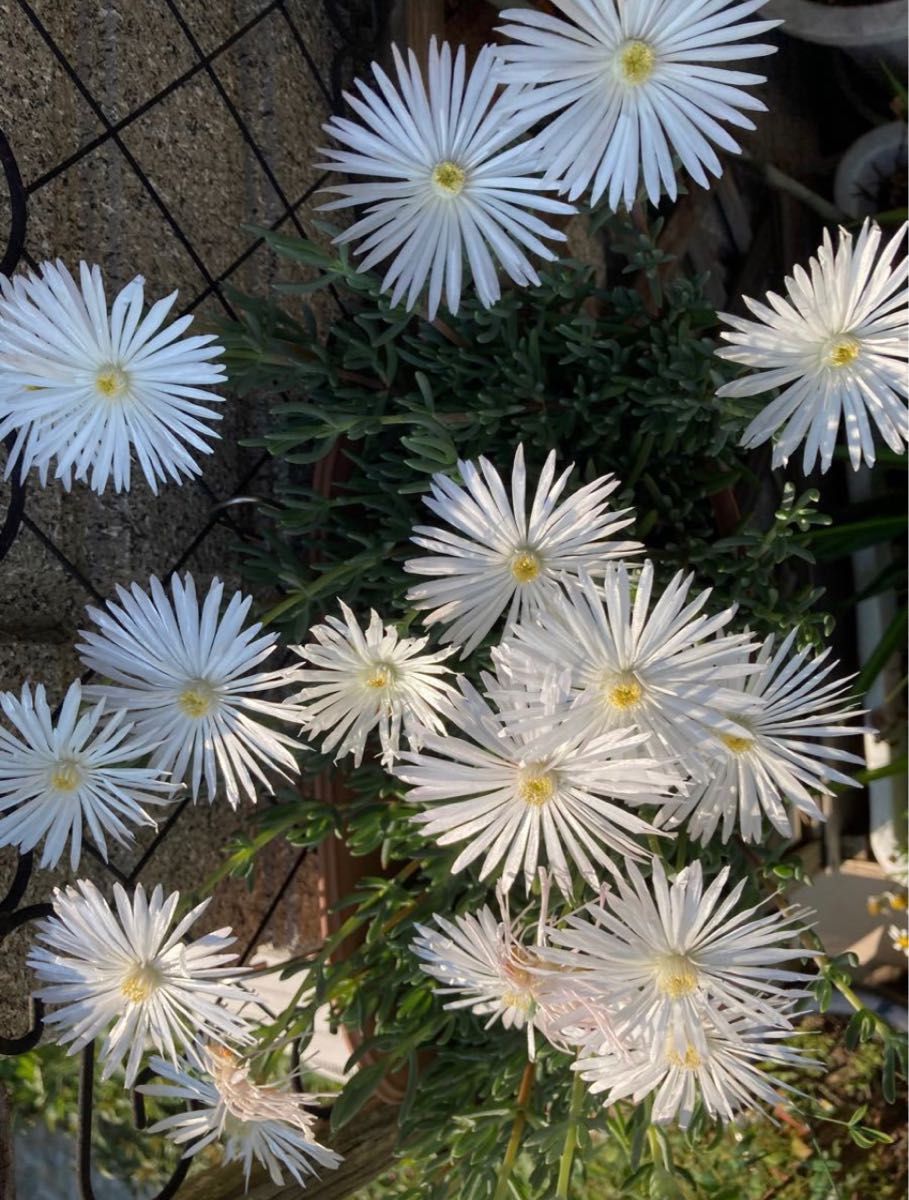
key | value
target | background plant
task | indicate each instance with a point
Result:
(616, 375)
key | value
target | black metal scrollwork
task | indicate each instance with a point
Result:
(11, 918)
(15, 238)
(15, 242)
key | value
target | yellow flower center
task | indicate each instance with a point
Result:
(537, 786)
(112, 381)
(198, 699)
(379, 676)
(898, 901)
(902, 941)
(738, 745)
(677, 976)
(526, 566)
(623, 692)
(522, 1001)
(226, 1057)
(636, 62)
(66, 777)
(449, 178)
(843, 351)
(521, 995)
(142, 980)
(691, 1060)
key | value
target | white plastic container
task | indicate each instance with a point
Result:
(874, 156)
(869, 33)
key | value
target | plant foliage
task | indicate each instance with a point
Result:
(617, 375)
(618, 378)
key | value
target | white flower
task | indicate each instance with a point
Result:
(900, 938)
(516, 792)
(499, 558)
(487, 962)
(129, 974)
(187, 674)
(675, 959)
(360, 681)
(87, 387)
(727, 1073)
(261, 1122)
(446, 180)
(482, 959)
(633, 82)
(57, 775)
(836, 344)
(661, 672)
(775, 753)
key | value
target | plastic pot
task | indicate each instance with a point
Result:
(869, 33)
(873, 157)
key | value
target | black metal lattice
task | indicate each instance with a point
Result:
(359, 26)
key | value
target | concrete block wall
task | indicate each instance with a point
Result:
(147, 133)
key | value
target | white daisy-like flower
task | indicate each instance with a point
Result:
(634, 82)
(480, 959)
(778, 752)
(516, 792)
(446, 180)
(130, 975)
(675, 959)
(488, 963)
(499, 558)
(836, 345)
(88, 388)
(57, 776)
(357, 681)
(187, 674)
(255, 1121)
(661, 672)
(728, 1073)
(899, 938)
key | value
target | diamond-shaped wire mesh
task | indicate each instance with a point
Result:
(148, 137)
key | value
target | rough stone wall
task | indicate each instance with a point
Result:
(147, 133)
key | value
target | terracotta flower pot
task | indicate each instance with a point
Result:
(339, 870)
(339, 873)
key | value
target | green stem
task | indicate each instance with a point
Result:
(785, 183)
(848, 994)
(853, 1000)
(813, 944)
(571, 1137)
(657, 846)
(517, 1131)
(657, 1142)
(897, 691)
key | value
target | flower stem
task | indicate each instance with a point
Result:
(813, 944)
(844, 989)
(517, 1131)
(447, 332)
(785, 183)
(571, 1137)
(881, 1025)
